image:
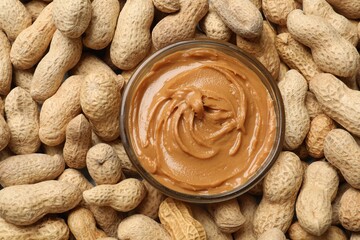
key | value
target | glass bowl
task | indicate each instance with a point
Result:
(251, 63)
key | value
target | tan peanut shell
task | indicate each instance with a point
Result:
(227, 215)
(336, 203)
(181, 25)
(63, 55)
(5, 64)
(90, 64)
(46, 228)
(342, 151)
(205, 219)
(31, 44)
(296, 55)
(100, 101)
(124, 196)
(320, 126)
(78, 142)
(4, 133)
(103, 164)
(22, 115)
(313, 206)
(96, 140)
(348, 8)
(126, 165)
(59, 110)
(272, 234)
(13, 18)
(273, 32)
(72, 17)
(283, 68)
(107, 219)
(241, 16)
(214, 27)
(277, 11)
(76, 178)
(87, 66)
(257, 3)
(102, 26)
(132, 39)
(30, 168)
(345, 27)
(297, 121)
(141, 227)
(23, 78)
(150, 204)
(263, 49)
(331, 52)
(312, 105)
(296, 232)
(349, 210)
(167, 6)
(26, 204)
(35, 7)
(339, 102)
(177, 219)
(248, 205)
(281, 185)
(83, 226)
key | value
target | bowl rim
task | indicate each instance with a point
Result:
(273, 90)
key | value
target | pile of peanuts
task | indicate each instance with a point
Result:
(64, 173)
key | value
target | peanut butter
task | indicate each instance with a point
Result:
(201, 122)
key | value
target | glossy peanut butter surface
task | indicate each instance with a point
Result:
(201, 122)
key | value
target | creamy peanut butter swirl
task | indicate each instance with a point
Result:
(201, 122)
